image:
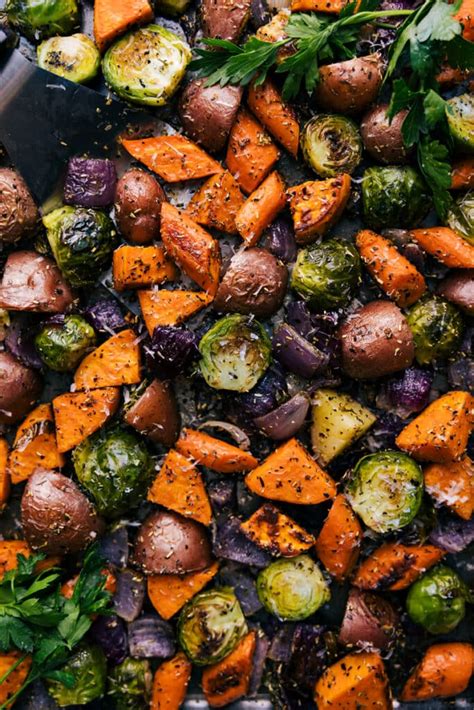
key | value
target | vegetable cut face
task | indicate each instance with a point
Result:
(140, 267)
(290, 475)
(215, 454)
(170, 307)
(228, 680)
(251, 153)
(276, 532)
(112, 18)
(77, 415)
(357, 680)
(445, 670)
(170, 683)
(452, 484)
(396, 566)
(316, 205)
(216, 203)
(339, 540)
(169, 592)
(35, 445)
(277, 116)
(116, 362)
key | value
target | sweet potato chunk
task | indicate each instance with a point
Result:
(170, 307)
(35, 445)
(356, 681)
(228, 680)
(80, 414)
(113, 18)
(317, 204)
(116, 362)
(251, 153)
(170, 683)
(261, 208)
(278, 117)
(139, 267)
(214, 453)
(452, 484)
(339, 540)
(276, 532)
(445, 670)
(16, 678)
(169, 592)
(395, 566)
(216, 203)
(4, 474)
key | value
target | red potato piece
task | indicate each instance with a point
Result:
(349, 87)
(138, 200)
(155, 414)
(19, 216)
(458, 287)
(224, 19)
(20, 387)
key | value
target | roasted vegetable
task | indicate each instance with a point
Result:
(129, 684)
(251, 153)
(19, 216)
(277, 533)
(170, 683)
(369, 621)
(437, 328)
(339, 540)
(396, 566)
(437, 601)
(112, 21)
(154, 413)
(382, 137)
(393, 197)
(43, 19)
(444, 670)
(62, 346)
(213, 453)
(460, 115)
(138, 200)
(75, 58)
(327, 274)
(115, 468)
(331, 145)
(78, 415)
(20, 387)
(458, 288)
(211, 625)
(34, 445)
(349, 87)
(89, 669)
(357, 680)
(316, 206)
(90, 182)
(385, 490)
(446, 245)
(81, 241)
(225, 20)
(169, 592)
(292, 589)
(235, 353)
(229, 679)
(146, 65)
(461, 217)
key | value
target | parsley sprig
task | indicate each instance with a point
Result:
(37, 620)
(315, 38)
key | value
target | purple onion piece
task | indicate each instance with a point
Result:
(280, 240)
(229, 543)
(221, 493)
(262, 644)
(114, 547)
(265, 396)
(243, 584)
(171, 350)
(130, 594)
(20, 341)
(110, 632)
(282, 643)
(151, 637)
(461, 374)
(90, 182)
(247, 502)
(286, 420)
(453, 535)
(410, 392)
(383, 433)
(105, 316)
(296, 353)
(300, 318)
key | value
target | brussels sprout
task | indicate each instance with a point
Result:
(327, 274)
(394, 197)
(147, 65)
(211, 625)
(460, 115)
(461, 217)
(89, 668)
(437, 328)
(62, 346)
(130, 684)
(38, 19)
(386, 490)
(235, 353)
(75, 58)
(172, 7)
(292, 589)
(331, 145)
(115, 468)
(437, 601)
(82, 241)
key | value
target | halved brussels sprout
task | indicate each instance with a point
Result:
(147, 65)
(437, 600)
(82, 241)
(460, 115)
(338, 421)
(89, 668)
(385, 490)
(130, 684)
(331, 145)
(61, 346)
(437, 328)
(211, 625)
(37, 19)
(292, 589)
(115, 469)
(327, 274)
(394, 197)
(235, 353)
(461, 217)
(75, 58)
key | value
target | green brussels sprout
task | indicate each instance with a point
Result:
(327, 274)
(89, 668)
(172, 7)
(437, 328)
(386, 490)
(61, 346)
(461, 217)
(292, 589)
(460, 115)
(147, 65)
(211, 625)
(115, 469)
(437, 600)
(130, 684)
(394, 197)
(82, 241)
(331, 145)
(37, 19)
(235, 353)
(75, 58)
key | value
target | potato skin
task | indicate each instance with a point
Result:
(155, 414)
(56, 516)
(458, 287)
(349, 87)
(170, 544)
(19, 215)
(383, 140)
(369, 620)
(376, 341)
(32, 282)
(224, 19)
(20, 387)
(207, 113)
(255, 282)
(138, 200)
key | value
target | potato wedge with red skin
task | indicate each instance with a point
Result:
(383, 138)
(20, 387)
(19, 215)
(369, 621)
(458, 287)
(138, 200)
(155, 414)
(224, 19)
(349, 87)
